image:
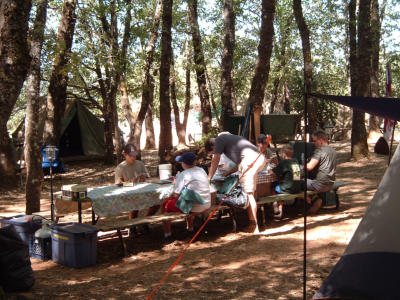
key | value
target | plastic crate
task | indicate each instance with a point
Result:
(25, 225)
(41, 248)
(74, 244)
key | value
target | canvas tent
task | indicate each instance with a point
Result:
(82, 133)
(370, 264)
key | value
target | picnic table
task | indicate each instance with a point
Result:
(115, 200)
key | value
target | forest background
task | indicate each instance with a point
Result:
(146, 62)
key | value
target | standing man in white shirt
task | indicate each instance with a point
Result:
(247, 158)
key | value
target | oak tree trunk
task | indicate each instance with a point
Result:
(165, 141)
(308, 78)
(180, 130)
(375, 39)
(150, 135)
(261, 74)
(187, 85)
(148, 81)
(14, 64)
(56, 98)
(359, 145)
(227, 64)
(33, 159)
(200, 67)
(213, 104)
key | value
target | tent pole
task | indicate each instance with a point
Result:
(305, 198)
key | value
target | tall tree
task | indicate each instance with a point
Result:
(123, 80)
(260, 78)
(56, 98)
(359, 145)
(147, 81)
(308, 77)
(200, 67)
(14, 64)
(188, 95)
(180, 131)
(109, 63)
(281, 54)
(33, 161)
(150, 135)
(165, 141)
(213, 103)
(375, 38)
(227, 63)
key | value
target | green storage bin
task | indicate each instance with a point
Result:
(281, 127)
(235, 124)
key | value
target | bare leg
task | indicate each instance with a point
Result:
(252, 211)
(189, 222)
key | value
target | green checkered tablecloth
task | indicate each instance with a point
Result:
(114, 200)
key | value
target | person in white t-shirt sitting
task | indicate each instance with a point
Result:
(193, 178)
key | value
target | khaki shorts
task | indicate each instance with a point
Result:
(249, 180)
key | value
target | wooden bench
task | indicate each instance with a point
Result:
(282, 197)
(119, 223)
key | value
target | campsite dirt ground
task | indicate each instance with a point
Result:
(219, 264)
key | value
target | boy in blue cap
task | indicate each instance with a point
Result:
(193, 178)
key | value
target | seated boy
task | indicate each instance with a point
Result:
(193, 178)
(288, 172)
(132, 170)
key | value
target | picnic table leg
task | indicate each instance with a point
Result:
(93, 217)
(79, 210)
(123, 248)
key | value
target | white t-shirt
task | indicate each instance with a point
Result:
(195, 179)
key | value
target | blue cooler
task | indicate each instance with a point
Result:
(74, 244)
(25, 225)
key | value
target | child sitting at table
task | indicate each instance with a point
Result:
(195, 179)
(132, 170)
(288, 172)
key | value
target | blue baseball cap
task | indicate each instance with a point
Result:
(187, 157)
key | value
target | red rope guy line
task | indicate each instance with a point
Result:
(164, 278)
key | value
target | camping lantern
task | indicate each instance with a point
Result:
(328, 130)
(51, 152)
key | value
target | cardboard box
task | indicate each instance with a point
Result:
(74, 192)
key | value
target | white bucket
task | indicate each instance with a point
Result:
(165, 171)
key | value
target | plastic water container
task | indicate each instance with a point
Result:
(165, 171)
(25, 226)
(74, 244)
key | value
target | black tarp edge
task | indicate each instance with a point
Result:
(382, 107)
